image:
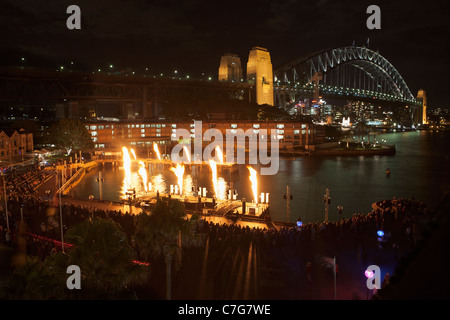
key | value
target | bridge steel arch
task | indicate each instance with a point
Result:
(297, 75)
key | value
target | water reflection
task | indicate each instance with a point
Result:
(420, 168)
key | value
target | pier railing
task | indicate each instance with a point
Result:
(76, 176)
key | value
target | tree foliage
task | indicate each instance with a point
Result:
(70, 134)
(157, 233)
(192, 104)
(105, 258)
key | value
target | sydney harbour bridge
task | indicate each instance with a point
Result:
(350, 72)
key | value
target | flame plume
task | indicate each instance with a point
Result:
(143, 174)
(213, 166)
(220, 154)
(188, 153)
(155, 147)
(179, 172)
(127, 168)
(134, 154)
(254, 181)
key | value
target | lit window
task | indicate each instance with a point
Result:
(143, 135)
(93, 127)
(94, 133)
(296, 131)
(234, 126)
(280, 126)
(256, 126)
(142, 130)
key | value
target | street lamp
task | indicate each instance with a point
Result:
(340, 209)
(6, 202)
(60, 209)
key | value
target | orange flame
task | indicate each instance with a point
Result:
(143, 174)
(187, 153)
(155, 147)
(179, 172)
(254, 181)
(134, 154)
(213, 166)
(220, 154)
(127, 168)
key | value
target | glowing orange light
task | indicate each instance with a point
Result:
(143, 174)
(179, 172)
(127, 168)
(134, 154)
(155, 147)
(254, 181)
(213, 166)
(220, 154)
(187, 153)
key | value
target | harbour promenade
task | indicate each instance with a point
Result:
(238, 261)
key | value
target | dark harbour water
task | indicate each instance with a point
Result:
(420, 168)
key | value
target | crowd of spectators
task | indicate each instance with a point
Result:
(24, 181)
(42, 218)
(392, 216)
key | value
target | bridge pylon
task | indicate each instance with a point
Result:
(422, 112)
(259, 72)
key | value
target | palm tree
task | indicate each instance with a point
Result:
(105, 257)
(157, 234)
(34, 280)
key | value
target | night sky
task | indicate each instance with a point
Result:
(190, 36)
